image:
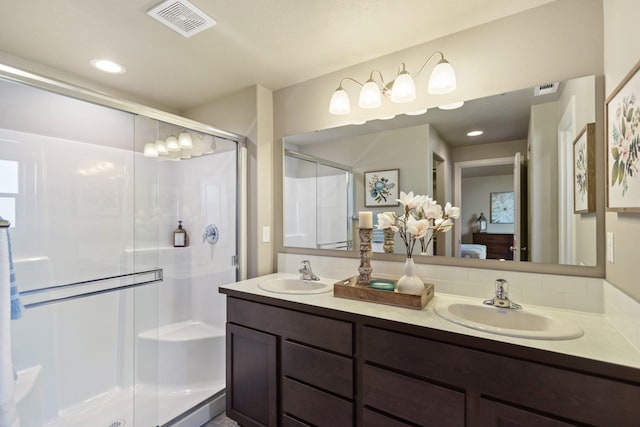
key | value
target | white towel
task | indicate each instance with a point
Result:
(8, 414)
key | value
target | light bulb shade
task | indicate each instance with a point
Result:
(452, 106)
(161, 147)
(198, 147)
(417, 112)
(172, 144)
(339, 102)
(150, 150)
(403, 89)
(210, 147)
(370, 95)
(442, 79)
(185, 141)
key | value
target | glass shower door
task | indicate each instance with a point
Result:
(179, 328)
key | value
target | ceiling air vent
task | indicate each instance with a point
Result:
(546, 89)
(182, 17)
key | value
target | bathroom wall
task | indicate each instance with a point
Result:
(620, 56)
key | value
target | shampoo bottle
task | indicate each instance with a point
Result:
(180, 239)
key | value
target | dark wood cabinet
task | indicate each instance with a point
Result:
(324, 367)
(495, 414)
(311, 367)
(412, 399)
(251, 368)
(498, 245)
(531, 392)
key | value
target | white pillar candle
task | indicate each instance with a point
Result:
(365, 219)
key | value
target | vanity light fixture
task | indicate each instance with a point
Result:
(475, 133)
(172, 144)
(452, 106)
(150, 150)
(161, 147)
(417, 112)
(107, 66)
(400, 90)
(185, 141)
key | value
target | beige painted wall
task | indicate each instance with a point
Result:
(583, 92)
(250, 113)
(621, 53)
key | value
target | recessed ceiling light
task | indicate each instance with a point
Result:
(452, 106)
(387, 117)
(475, 133)
(107, 66)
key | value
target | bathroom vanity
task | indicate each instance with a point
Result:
(303, 360)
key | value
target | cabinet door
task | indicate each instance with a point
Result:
(251, 377)
(494, 414)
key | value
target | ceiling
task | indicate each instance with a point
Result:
(273, 43)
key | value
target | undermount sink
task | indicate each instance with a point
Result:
(293, 285)
(524, 323)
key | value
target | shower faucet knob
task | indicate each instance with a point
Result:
(210, 234)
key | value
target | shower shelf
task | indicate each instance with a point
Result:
(86, 288)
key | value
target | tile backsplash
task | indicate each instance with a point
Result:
(547, 290)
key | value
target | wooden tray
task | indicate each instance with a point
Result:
(349, 289)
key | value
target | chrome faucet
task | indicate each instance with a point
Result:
(306, 273)
(502, 297)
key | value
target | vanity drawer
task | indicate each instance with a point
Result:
(315, 406)
(411, 399)
(316, 367)
(588, 399)
(330, 334)
(374, 419)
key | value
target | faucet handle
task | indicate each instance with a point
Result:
(502, 288)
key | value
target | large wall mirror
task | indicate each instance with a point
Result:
(522, 174)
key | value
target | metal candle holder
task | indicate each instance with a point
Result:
(365, 256)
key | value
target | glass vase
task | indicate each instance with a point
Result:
(409, 283)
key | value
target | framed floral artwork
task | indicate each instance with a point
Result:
(584, 170)
(622, 113)
(381, 188)
(502, 207)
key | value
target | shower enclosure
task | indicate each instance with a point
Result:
(318, 199)
(120, 327)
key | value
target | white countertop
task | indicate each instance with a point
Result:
(601, 340)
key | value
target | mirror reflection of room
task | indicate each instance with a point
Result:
(514, 172)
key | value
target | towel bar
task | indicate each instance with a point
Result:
(70, 291)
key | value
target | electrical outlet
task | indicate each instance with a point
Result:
(610, 247)
(266, 234)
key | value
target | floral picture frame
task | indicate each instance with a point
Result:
(584, 170)
(502, 207)
(622, 114)
(381, 188)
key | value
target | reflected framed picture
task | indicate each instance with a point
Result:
(584, 170)
(622, 112)
(381, 188)
(502, 207)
